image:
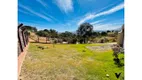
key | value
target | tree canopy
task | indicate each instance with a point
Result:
(84, 31)
(47, 33)
(68, 36)
(30, 28)
(83, 34)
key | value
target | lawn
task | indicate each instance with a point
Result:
(69, 62)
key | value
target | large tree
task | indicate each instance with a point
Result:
(84, 32)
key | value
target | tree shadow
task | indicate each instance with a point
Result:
(118, 62)
(41, 42)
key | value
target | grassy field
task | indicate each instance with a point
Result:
(69, 62)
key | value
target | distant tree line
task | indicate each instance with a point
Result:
(30, 28)
(82, 35)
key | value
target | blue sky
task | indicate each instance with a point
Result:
(67, 15)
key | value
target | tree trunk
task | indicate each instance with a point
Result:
(85, 41)
(46, 39)
(53, 42)
(38, 39)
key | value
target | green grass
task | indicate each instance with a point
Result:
(69, 62)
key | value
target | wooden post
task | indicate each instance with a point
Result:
(24, 40)
(19, 38)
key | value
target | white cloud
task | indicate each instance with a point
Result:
(22, 11)
(107, 12)
(42, 3)
(53, 18)
(108, 26)
(88, 17)
(112, 10)
(65, 5)
(35, 13)
(95, 22)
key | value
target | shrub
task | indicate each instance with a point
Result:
(116, 51)
(102, 40)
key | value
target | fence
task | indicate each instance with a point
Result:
(23, 38)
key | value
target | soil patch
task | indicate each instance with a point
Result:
(99, 48)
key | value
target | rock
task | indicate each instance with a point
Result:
(107, 75)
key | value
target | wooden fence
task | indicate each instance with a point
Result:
(23, 38)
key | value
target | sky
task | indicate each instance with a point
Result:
(67, 15)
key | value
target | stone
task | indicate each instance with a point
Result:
(107, 75)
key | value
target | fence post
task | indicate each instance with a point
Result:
(19, 39)
(22, 38)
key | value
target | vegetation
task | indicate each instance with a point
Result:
(117, 50)
(84, 34)
(30, 28)
(74, 61)
(47, 33)
(68, 37)
(69, 62)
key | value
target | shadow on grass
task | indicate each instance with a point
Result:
(41, 42)
(118, 62)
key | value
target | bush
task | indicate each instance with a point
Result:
(102, 40)
(73, 41)
(116, 51)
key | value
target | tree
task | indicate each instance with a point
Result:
(84, 31)
(42, 33)
(47, 34)
(68, 36)
(30, 28)
(53, 33)
(65, 35)
(46, 30)
(94, 34)
(34, 29)
(108, 31)
(103, 33)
